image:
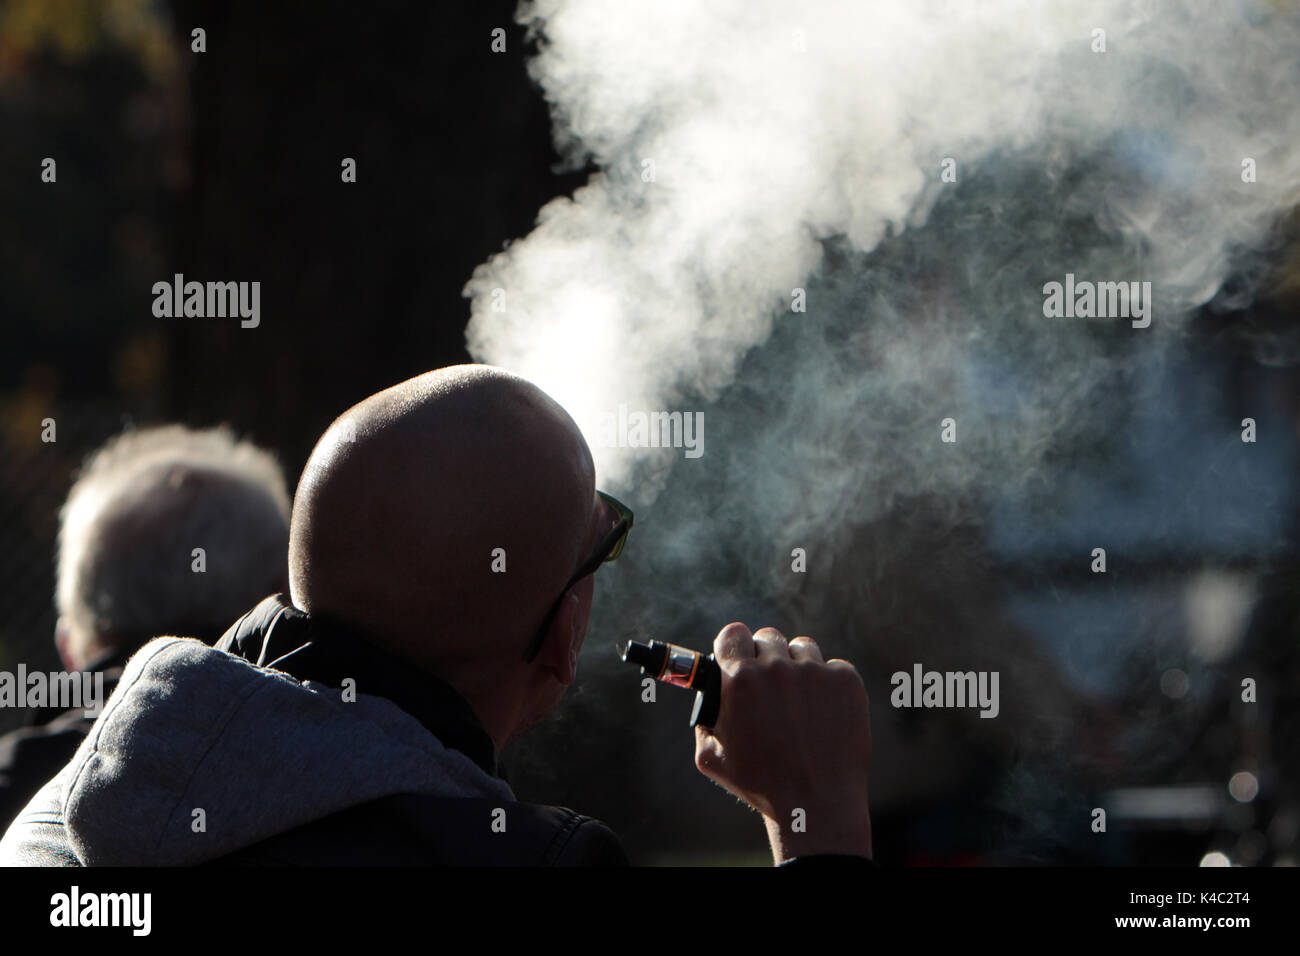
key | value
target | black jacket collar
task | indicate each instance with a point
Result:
(277, 634)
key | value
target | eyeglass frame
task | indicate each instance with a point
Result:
(610, 547)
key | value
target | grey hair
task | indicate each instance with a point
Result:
(142, 504)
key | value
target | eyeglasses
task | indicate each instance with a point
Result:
(610, 547)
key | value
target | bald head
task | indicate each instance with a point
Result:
(407, 498)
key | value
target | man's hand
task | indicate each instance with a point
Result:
(793, 734)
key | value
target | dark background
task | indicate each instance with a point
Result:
(227, 165)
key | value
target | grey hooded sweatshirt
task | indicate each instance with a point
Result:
(202, 756)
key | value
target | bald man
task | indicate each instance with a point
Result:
(359, 721)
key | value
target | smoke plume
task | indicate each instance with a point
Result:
(911, 173)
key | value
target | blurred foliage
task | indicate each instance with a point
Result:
(73, 30)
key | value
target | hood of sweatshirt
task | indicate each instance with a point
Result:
(199, 753)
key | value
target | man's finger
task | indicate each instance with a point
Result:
(806, 649)
(734, 643)
(770, 644)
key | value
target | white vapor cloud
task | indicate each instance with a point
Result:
(773, 126)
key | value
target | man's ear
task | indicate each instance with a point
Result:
(62, 640)
(563, 641)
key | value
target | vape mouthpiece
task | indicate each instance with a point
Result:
(646, 655)
(681, 667)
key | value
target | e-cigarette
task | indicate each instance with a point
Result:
(682, 667)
